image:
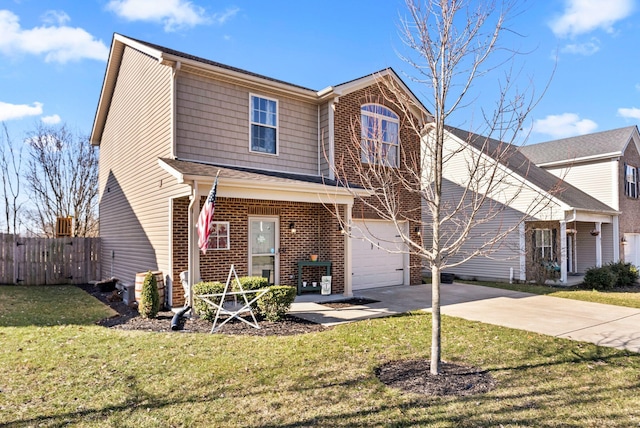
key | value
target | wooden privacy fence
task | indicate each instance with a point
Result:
(46, 261)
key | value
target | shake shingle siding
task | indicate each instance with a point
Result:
(134, 192)
(213, 126)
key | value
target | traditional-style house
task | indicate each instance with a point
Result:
(168, 122)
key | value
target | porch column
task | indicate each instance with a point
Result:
(348, 253)
(599, 244)
(563, 252)
(193, 250)
(523, 252)
(616, 239)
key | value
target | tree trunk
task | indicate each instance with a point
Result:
(435, 320)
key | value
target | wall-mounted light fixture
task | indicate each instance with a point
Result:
(341, 229)
(418, 232)
(623, 240)
(292, 228)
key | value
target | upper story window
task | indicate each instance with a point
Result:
(264, 125)
(631, 181)
(380, 135)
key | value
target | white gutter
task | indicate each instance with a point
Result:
(579, 160)
(174, 110)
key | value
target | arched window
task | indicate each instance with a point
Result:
(380, 135)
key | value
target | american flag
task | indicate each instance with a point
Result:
(204, 220)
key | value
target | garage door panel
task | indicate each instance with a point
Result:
(374, 266)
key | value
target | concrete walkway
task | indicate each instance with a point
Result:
(604, 325)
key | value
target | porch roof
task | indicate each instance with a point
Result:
(261, 181)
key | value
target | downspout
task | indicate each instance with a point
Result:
(319, 131)
(331, 160)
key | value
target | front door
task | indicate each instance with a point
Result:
(263, 248)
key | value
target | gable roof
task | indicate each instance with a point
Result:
(177, 59)
(511, 157)
(599, 145)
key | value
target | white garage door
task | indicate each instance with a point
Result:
(373, 266)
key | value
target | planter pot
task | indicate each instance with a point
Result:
(447, 278)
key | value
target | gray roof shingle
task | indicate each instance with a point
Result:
(583, 146)
(511, 157)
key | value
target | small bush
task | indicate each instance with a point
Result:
(626, 273)
(600, 278)
(149, 297)
(252, 282)
(276, 302)
(201, 307)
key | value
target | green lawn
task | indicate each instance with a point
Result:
(64, 371)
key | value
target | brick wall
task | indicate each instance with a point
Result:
(347, 152)
(629, 220)
(316, 233)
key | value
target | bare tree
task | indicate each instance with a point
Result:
(10, 169)
(483, 177)
(62, 177)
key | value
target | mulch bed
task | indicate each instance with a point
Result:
(347, 303)
(129, 318)
(455, 379)
(407, 375)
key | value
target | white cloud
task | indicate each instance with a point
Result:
(19, 111)
(55, 17)
(583, 16)
(51, 120)
(221, 18)
(564, 125)
(630, 113)
(585, 49)
(58, 43)
(174, 14)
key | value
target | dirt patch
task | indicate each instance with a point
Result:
(347, 303)
(455, 379)
(128, 318)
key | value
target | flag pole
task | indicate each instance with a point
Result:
(204, 220)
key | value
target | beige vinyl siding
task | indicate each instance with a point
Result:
(586, 246)
(213, 126)
(607, 243)
(593, 178)
(134, 191)
(498, 259)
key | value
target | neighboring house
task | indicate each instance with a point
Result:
(605, 165)
(168, 122)
(543, 219)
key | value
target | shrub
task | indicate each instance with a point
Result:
(600, 278)
(252, 282)
(201, 307)
(626, 273)
(276, 302)
(149, 297)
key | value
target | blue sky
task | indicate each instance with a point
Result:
(53, 53)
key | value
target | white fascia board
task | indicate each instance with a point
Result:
(569, 162)
(175, 173)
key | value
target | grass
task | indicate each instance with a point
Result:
(67, 372)
(626, 298)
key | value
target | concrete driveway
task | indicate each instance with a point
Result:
(604, 325)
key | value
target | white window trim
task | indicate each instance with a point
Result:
(213, 227)
(277, 127)
(631, 189)
(381, 117)
(550, 246)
